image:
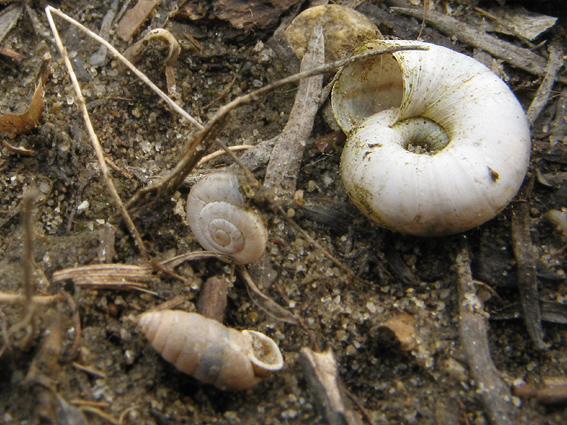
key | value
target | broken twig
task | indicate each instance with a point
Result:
(493, 392)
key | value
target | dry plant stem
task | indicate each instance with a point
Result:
(216, 154)
(494, 393)
(517, 56)
(263, 302)
(322, 376)
(37, 300)
(94, 139)
(122, 59)
(554, 64)
(526, 259)
(285, 161)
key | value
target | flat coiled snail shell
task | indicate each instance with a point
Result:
(221, 222)
(209, 351)
(437, 143)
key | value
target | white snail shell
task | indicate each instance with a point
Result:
(219, 219)
(209, 351)
(437, 100)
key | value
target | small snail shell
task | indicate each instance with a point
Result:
(209, 351)
(437, 143)
(218, 218)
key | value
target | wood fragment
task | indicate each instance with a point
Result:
(213, 298)
(558, 131)
(285, 161)
(516, 56)
(552, 395)
(554, 64)
(526, 260)
(8, 53)
(322, 376)
(493, 392)
(134, 18)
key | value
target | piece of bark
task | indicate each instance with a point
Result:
(493, 392)
(517, 56)
(283, 168)
(134, 18)
(244, 14)
(525, 254)
(322, 376)
(213, 297)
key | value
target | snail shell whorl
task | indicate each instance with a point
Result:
(474, 164)
(218, 218)
(210, 351)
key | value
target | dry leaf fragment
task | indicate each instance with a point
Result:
(14, 124)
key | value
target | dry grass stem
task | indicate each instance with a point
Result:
(117, 276)
(37, 299)
(94, 139)
(216, 154)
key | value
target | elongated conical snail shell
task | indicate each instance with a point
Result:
(437, 143)
(209, 351)
(221, 222)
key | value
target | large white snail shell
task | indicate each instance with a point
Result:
(219, 219)
(209, 351)
(381, 104)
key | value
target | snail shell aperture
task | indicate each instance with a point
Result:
(437, 143)
(220, 221)
(209, 351)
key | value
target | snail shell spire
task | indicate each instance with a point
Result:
(437, 143)
(221, 222)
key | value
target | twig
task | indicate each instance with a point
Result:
(526, 260)
(322, 376)
(37, 299)
(554, 64)
(493, 392)
(285, 161)
(216, 154)
(517, 56)
(94, 139)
